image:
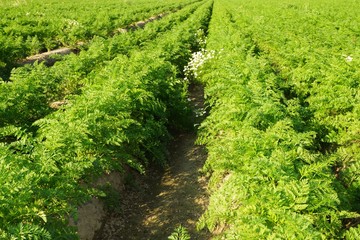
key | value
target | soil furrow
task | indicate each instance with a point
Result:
(177, 195)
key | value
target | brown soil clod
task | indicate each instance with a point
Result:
(139, 24)
(57, 104)
(46, 57)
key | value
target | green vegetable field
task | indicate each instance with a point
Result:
(282, 128)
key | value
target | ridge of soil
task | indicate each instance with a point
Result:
(164, 199)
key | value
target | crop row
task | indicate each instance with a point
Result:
(283, 130)
(120, 117)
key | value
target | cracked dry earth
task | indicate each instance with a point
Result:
(156, 205)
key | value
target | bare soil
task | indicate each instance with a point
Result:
(164, 199)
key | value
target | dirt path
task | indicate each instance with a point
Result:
(168, 198)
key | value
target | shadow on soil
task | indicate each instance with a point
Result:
(161, 201)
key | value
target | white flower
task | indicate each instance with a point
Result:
(349, 59)
(198, 59)
(72, 22)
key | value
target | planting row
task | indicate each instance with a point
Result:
(282, 135)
